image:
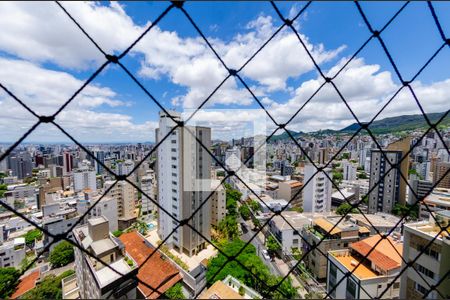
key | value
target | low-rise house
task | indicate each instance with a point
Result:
(370, 277)
(342, 232)
(12, 253)
(229, 288)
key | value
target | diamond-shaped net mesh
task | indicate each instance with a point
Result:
(268, 288)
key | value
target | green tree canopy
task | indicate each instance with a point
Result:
(272, 244)
(345, 208)
(245, 212)
(259, 278)
(9, 278)
(32, 235)
(62, 254)
(175, 292)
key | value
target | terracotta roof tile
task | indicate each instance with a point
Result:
(26, 283)
(155, 271)
(384, 255)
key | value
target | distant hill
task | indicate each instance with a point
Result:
(400, 123)
(383, 126)
(285, 135)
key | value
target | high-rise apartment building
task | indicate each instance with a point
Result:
(67, 163)
(148, 186)
(433, 264)
(233, 159)
(84, 178)
(390, 187)
(218, 202)
(126, 197)
(419, 188)
(317, 189)
(349, 170)
(440, 173)
(183, 175)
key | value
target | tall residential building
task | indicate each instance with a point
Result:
(440, 172)
(317, 192)
(125, 167)
(21, 165)
(126, 196)
(183, 173)
(218, 202)
(349, 170)
(67, 163)
(106, 206)
(418, 187)
(372, 276)
(100, 155)
(148, 186)
(84, 178)
(433, 264)
(94, 280)
(390, 186)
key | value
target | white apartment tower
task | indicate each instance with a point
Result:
(183, 174)
(148, 185)
(316, 192)
(84, 178)
(349, 170)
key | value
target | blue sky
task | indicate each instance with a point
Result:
(44, 58)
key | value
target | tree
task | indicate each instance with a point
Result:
(229, 227)
(338, 176)
(273, 245)
(254, 205)
(62, 254)
(345, 208)
(32, 235)
(245, 212)
(9, 278)
(362, 175)
(175, 292)
(406, 210)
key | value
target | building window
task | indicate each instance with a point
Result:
(351, 289)
(419, 288)
(425, 271)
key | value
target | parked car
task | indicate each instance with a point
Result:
(265, 254)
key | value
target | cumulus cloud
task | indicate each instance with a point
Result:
(40, 33)
(44, 91)
(366, 89)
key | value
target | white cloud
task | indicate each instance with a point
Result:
(366, 89)
(42, 32)
(44, 91)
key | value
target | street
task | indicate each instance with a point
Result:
(259, 245)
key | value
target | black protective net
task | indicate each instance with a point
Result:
(364, 127)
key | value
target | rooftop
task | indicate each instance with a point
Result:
(350, 262)
(220, 290)
(439, 196)
(156, 272)
(329, 223)
(385, 256)
(26, 283)
(297, 220)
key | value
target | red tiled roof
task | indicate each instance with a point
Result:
(384, 255)
(155, 271)
(26, 283)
